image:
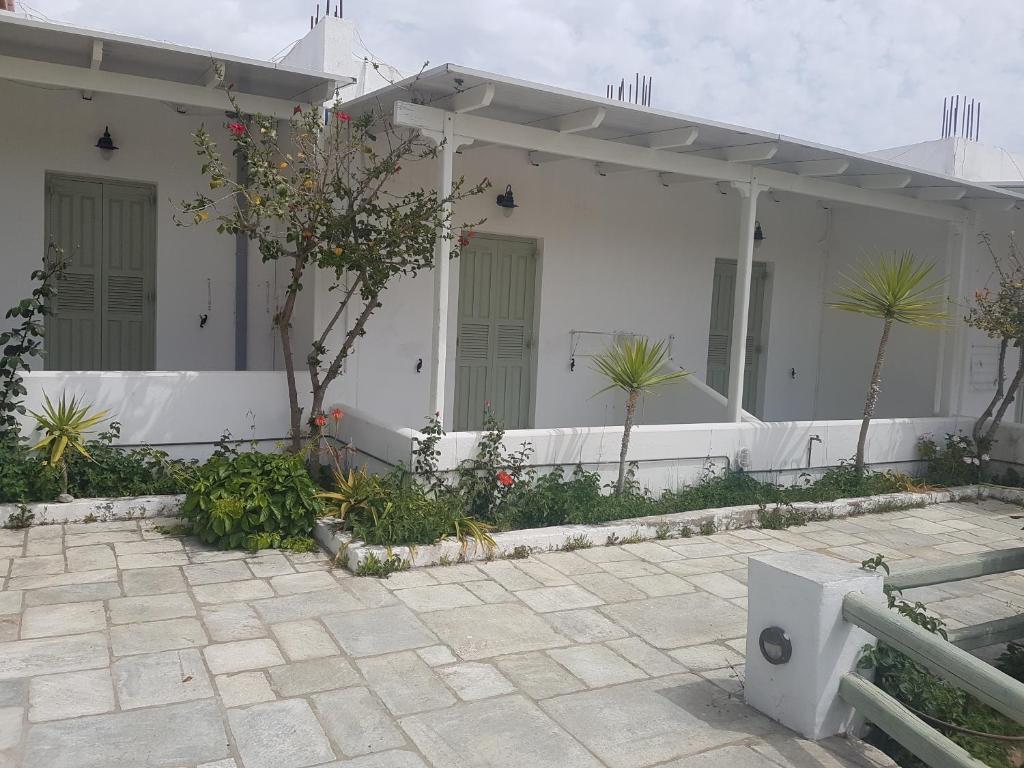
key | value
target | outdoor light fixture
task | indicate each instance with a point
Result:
(106, 142)
(758, 232)
(506, 200)
(775, 645)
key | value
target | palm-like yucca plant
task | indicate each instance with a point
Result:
(635, 366)
(63, 427)
(895, 288)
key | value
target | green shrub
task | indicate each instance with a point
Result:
(252, 500)
(23, 477)
(117, 471)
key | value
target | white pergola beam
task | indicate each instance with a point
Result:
(604, 169)
(95, 62)
(531, 138)
(835, 167)
(939, 193)
(80, 78)
(670, 139)
(214, 77)
(574, 122)
(883, 180)
(669, 179)
(477, 97)
(750, 153)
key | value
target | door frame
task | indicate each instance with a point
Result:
(150, 302)
(761, 369)
(454, 290)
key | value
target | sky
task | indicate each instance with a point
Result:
(857, 74)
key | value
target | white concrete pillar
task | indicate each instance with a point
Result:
(741, 300)
(802, 594)
(442, 263)
(952, 358)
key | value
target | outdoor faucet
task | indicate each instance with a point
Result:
(810, 444)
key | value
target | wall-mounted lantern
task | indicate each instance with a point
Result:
(106, 141)
(758, 233)
(506, 200)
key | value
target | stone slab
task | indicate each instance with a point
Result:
(676, 620)
(302, 677)
(380, 630)
(154, 636)
(160, 678)
(66, 619)
(71, 694)
(50, 655)
(356, 721)
(483, 631)
(405, 683)
(279, 734)
(225, 658)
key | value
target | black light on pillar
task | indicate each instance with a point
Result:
(775, 645)
(106, 141)
(506, 200)
(758, 233)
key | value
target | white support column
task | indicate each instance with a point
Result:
(448, 142)
(951, 361)
(741, 300)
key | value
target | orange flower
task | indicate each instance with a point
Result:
(504, 478)
(320, 420)
(337, 413)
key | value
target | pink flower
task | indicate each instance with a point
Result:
(320, 420)
(343, 116)
(504, 478)
(236, 128)
(337, 413)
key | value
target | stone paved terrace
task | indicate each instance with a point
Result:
(121, 647)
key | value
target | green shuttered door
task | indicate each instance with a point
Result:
(493, 361)
(104, 310)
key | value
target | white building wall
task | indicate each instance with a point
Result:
(624, 253)
(49, 130)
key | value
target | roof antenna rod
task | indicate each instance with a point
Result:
(977, 123)
(942, 133)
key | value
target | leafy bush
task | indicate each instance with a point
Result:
(253, 500)
(958, 462)
(23, 478)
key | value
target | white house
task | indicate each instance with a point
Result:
(724, 240)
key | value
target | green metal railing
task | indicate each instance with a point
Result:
(947, 659)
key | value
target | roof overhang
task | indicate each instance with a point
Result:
(552, 124)
(60, 55)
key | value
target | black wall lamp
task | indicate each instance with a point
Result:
(506, 200)
(775, 645)
(106, 141)
(758, 232)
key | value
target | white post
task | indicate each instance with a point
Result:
(741, 301)
(952, 362)
(802, 595)
(442, 260)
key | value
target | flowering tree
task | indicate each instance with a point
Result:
(322, 199)
(999, 313)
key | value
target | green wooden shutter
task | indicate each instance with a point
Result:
(720, 332)
(497, 280)
(128, 278)
(74, 221)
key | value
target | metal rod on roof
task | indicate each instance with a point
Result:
(956, 114)
(943, 132)
(636, 93)
(977, 124)
(318, 13)
(649, 81)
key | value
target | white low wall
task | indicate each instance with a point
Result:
(182, 412)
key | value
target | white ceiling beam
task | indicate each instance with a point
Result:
(836, 167)
(750, 153)
(80, 78)
(214, 77)
(882, 180)
(989, 204)
(604, 169)
(670, 139)
(687, 163)
(938, 193)
(668, 179)
(469, 100)
(95, 62)
(574, 122)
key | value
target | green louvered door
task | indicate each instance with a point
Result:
(104, 310)
(720, 332)
(493, 360)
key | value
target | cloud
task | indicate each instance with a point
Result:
(860, 75)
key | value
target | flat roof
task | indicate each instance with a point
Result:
(526, 103)
(70, 45)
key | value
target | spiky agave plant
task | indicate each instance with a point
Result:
(63, 427)
(635, 366)
(895, 287)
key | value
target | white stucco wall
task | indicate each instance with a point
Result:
(624, 253)
(55, 131)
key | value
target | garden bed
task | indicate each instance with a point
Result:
(355, 555)
(91, 510)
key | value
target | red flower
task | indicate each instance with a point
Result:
(236, 128)
(297, 109)
(504, 478)
(471, 233)
(337, 413)
(320, 420)
(463, 242)
(343, 116)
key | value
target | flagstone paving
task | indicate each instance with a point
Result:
(121, 646)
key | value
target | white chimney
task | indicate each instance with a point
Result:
(325, 48)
